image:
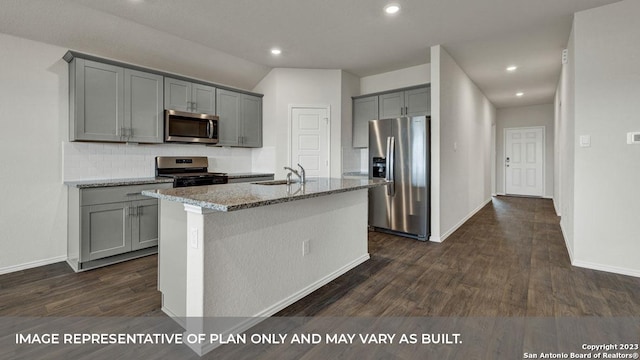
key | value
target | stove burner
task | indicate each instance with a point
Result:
(188, 171)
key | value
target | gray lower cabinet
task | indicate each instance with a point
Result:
(111, 224)
(240, 121)
(183, 95)
(112, 103)
(364, 109)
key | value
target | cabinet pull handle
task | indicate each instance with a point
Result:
(134, 194)
(139, 210)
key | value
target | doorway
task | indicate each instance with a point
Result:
(309, 141)
(524, 161)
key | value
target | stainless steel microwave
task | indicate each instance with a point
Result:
(186, 127)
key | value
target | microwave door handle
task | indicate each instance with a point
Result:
(209, 129)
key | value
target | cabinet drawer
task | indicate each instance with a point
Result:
(105, 195)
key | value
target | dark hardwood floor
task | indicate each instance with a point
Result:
(507, 260)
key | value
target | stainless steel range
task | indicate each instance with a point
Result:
(188, 171)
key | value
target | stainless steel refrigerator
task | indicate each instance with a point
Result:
(399, 152)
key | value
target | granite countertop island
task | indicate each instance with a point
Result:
(232, 197)
(245, 251)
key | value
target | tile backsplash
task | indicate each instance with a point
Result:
(90, 161)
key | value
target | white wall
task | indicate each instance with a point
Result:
(415, 75)
(351, 158)
(461, 130)
(526, 116)
(607, 93)
(33, 99)
(565, 124)
(35, 105)
(285, 87)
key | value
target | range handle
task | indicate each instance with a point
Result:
(390, 175)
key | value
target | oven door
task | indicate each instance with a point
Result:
(190, 127)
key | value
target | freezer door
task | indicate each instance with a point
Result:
(379, 202)
(408, 209)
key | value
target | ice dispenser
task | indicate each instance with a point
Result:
(379, 167)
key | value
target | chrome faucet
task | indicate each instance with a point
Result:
(300, 174)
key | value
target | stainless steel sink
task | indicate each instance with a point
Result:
(276, 182)
(272, 182)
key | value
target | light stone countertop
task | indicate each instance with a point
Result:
(232, 197)
(85, 184)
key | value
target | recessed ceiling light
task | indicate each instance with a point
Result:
(276, 51)
(392, 9)
(512, 68)
(519, 94)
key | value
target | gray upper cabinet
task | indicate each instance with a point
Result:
(418, 102)
(391, 105)
(251, 121)
(96, 101)
(187, 96)
(405, 103)
(364, 109)
(240, 121)
(411, 102)
(177, 94)
(143, 93)
(111, 103)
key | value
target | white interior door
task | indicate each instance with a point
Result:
(524, 161)
(310, 140)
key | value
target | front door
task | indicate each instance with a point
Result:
(310, 140)
(524, 161)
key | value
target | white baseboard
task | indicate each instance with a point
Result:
(32, 264)
(566, 243)
(502, 194)
(548, 197)
(262, 315)
(444, 236)
(607, 268)
(180, 320)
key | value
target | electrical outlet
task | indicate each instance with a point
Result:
(305, 247)
(193, 237)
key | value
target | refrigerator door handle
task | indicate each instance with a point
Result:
(391, 145)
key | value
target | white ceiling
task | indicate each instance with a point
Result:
(228, 41)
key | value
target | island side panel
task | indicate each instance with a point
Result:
(253, 259)
(172, 259)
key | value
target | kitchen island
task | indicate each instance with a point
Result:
(249, 250)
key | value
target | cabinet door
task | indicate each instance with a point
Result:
(106, 231)
(229, 112)
(143, 106)
(391, 105)
(144, 224)
(177, 94)
(364, 109)
(418, 102)
(99, 95)
(251, 113)
(204, 99)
